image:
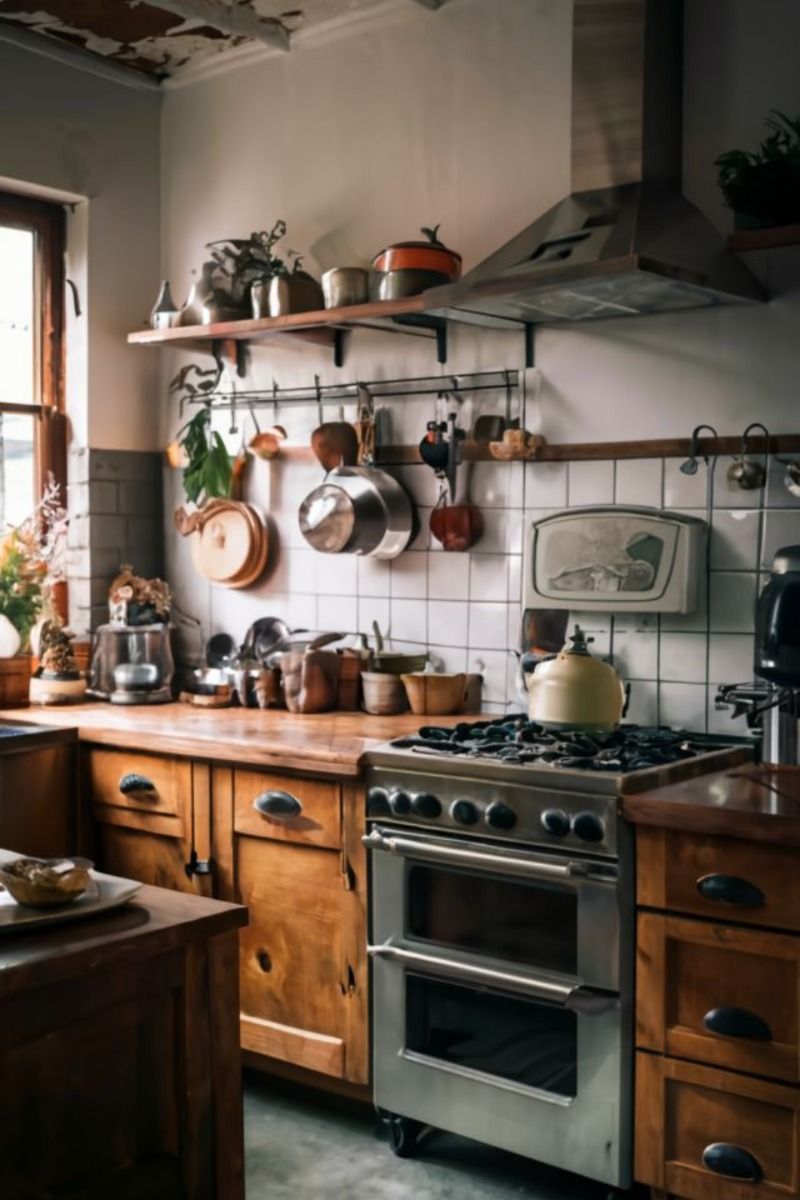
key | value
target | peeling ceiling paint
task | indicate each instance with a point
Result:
(148, 38)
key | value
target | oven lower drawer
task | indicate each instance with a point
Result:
(503, 1066)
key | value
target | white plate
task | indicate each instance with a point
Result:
(105, 893)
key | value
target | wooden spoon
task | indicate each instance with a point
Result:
(335, 444)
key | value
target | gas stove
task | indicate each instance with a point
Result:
(513, 779)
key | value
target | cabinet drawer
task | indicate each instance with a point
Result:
(719, 995)
(722, 878)
(144, 782)
(696, 1126)
(287, 808)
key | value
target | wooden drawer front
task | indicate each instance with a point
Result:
(287, 808)
(755, 884)
(683, 1109)
(719, 995)
(143, 782)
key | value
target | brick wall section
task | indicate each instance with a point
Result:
(115, 499)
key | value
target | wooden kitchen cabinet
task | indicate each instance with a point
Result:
(300, 869)
(152, 818)
(717, 1018)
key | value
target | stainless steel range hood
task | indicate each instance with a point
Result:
(626, 241)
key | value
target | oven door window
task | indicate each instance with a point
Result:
(525, 1041)
(531, 923)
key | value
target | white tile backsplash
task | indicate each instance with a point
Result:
(590, 483)
(468, 607)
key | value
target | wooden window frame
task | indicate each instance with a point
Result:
(48, 224)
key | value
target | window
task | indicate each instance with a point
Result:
(32, 433)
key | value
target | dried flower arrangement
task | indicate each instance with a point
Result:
(33, 557)
(57, 656)
(134, 600)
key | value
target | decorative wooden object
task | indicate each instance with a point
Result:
(119, 1035)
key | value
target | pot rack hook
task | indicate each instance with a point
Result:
(275, 390)
(507, 377)
(318, 390)
(689, 467)
(746, 434)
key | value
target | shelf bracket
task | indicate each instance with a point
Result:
(338, 346)
(235, 350)
(424, 321)
(530, 357)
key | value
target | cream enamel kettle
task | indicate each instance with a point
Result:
(575, 690)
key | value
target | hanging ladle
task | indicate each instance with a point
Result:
(266, 445)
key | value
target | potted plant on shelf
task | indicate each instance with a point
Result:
(763, 186)
(239, 263)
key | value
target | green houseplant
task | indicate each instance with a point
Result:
(763, 186)
(208, 473)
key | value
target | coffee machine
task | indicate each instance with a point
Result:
(132, 664)
(772, 701)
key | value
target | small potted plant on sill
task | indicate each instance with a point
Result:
(762, 187)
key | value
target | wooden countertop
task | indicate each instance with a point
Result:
(760, 803)
(327, 743)
(156, 921)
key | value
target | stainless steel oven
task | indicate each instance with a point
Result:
(502, 993)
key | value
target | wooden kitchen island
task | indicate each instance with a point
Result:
(119, 1055)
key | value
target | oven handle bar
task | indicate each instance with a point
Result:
(460, 856)
(568, 995)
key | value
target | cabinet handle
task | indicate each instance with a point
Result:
(277, 804)
(730, 889)
(729, 1021)
(138, 785)
(735, 1162)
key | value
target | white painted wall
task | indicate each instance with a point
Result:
(462, 117)
(69, 133)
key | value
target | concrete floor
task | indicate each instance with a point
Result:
(304, 1145)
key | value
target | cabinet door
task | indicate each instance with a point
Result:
(726, 879)
(152, 817)
(705, 1134)
(296, 981)
(719, 995)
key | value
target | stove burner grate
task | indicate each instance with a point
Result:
(517, 740)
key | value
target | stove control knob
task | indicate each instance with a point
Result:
(500, 816)
(400, 803)
(377, 802)
(556, 822)
(426, 805)
(464, 812)
(588, 827)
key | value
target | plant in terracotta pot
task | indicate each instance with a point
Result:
(763, 186)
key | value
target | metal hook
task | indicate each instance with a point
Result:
(745, 473)
(690, 466)
(507, 376)
(318, 389)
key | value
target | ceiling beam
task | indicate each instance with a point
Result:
(234, 20)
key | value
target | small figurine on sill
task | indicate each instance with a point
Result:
(57, 679)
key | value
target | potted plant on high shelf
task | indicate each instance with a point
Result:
(762, 187)
(32, 562)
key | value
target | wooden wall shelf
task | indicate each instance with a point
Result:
(764, 239)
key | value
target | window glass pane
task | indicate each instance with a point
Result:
(17, 480)
(17, 321)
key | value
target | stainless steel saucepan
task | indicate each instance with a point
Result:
(358, 510)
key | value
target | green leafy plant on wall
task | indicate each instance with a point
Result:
(763, 186)
(208, 473)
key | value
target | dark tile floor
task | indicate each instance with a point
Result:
(303, 1145)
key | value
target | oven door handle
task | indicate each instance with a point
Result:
(574, 996)
(461, 856)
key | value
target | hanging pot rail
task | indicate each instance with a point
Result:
(350, 393)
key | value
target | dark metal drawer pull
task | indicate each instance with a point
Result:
(729, 1021)
(732, 1161)
(730, 889)
(277, 804)
(138, 785)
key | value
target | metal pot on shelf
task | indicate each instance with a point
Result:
(408, 268)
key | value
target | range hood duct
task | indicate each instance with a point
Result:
(626, 241)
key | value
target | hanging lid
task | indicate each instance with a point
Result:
(327, 518)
